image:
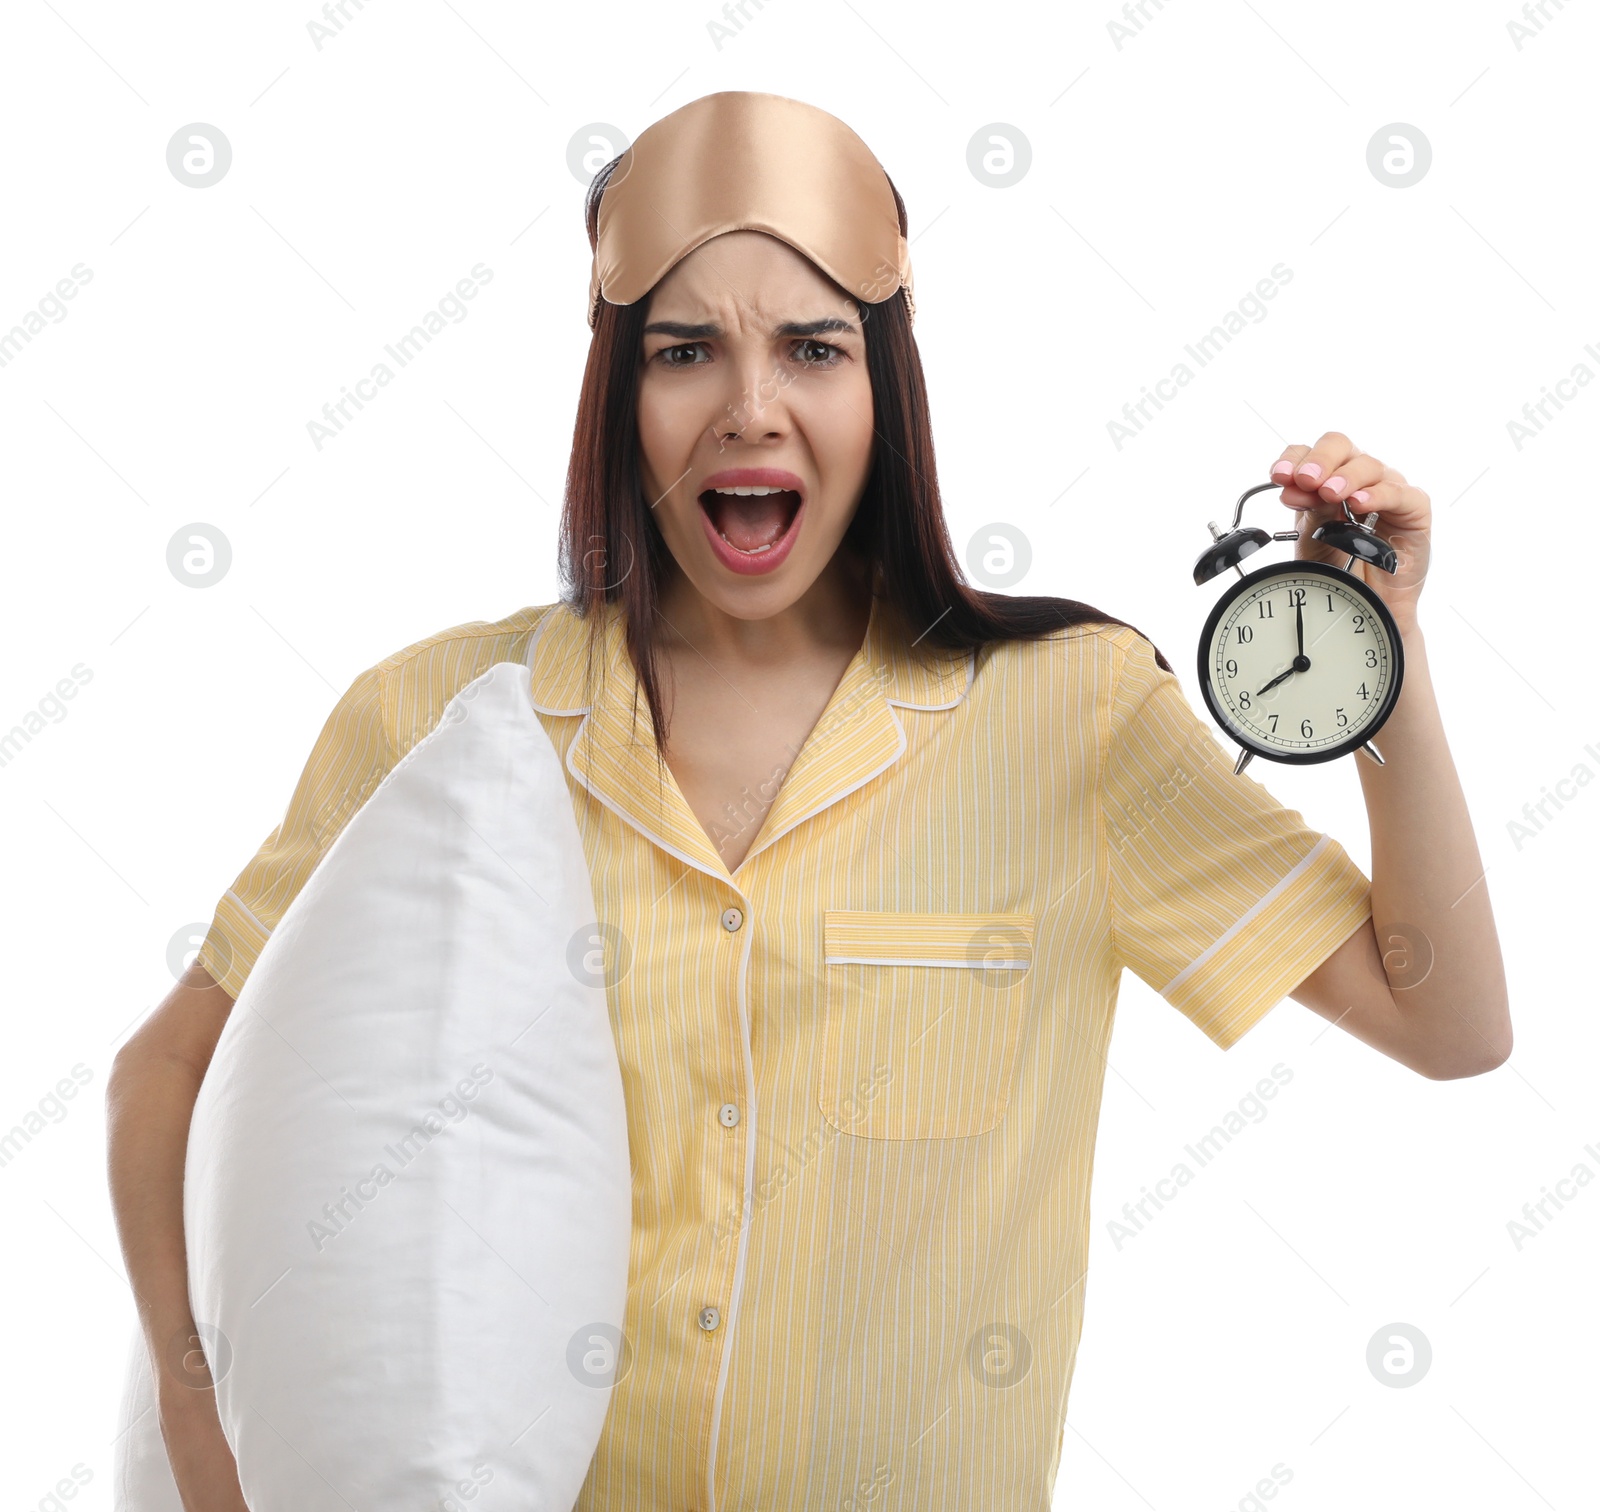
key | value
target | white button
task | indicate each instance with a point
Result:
(709, 1318)
(729, 1115)
(731, 919)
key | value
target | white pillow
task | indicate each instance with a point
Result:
(141, 1474)
(407, 1199)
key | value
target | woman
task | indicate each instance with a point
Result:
(871, 849)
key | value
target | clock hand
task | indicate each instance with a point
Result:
(1301, 662)
(1290, 672)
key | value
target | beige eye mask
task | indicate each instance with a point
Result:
(746, 161)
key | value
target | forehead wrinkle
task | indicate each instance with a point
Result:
(754, 311)
(706, 255)
(744, 309)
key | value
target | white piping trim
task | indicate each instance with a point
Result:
(247, 911)
(894, 756)
(633, 823)
(985, 965)
(533, 640)
(746, 1218)
(1249, 913)
(972, 666)
(527, 657)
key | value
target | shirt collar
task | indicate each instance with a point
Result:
(857, 737)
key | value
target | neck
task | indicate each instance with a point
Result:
(829, 617)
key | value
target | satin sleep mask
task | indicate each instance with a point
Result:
(745, 161)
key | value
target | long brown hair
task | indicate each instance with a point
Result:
(611, 547)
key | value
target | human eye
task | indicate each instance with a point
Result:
(666, 358)
(823, 346)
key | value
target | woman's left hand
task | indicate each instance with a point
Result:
(1316, 478)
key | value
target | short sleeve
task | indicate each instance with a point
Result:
(351, 757)
(1223, 899)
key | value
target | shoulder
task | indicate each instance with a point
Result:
(415, 683)
(1082, 664)
(1085, 691)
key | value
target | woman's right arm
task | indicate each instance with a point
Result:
(150, 1097)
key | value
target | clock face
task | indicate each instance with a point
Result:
(1300, 662)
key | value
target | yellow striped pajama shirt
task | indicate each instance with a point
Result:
(863, 1072)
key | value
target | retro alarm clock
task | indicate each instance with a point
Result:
(1299, 662)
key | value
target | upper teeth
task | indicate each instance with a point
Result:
(750, 489)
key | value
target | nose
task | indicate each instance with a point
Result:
(752, 402)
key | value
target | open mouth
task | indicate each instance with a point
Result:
(752, 520)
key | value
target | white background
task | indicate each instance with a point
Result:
(1168, 175)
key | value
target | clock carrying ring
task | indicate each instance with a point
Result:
(1352, 536)
(1356, 538)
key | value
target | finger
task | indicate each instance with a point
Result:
(1324, 460)
(1283, 469)
(1358, 471)
(1404, 515)
(1400, 506)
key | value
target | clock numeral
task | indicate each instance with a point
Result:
(1298, 599)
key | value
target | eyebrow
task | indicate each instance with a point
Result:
(685, 332)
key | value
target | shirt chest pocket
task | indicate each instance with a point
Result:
(924, 1016)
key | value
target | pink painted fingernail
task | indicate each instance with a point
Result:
(1282, 468)
(1361, 495)
(1311, 470)
(1335, 483)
